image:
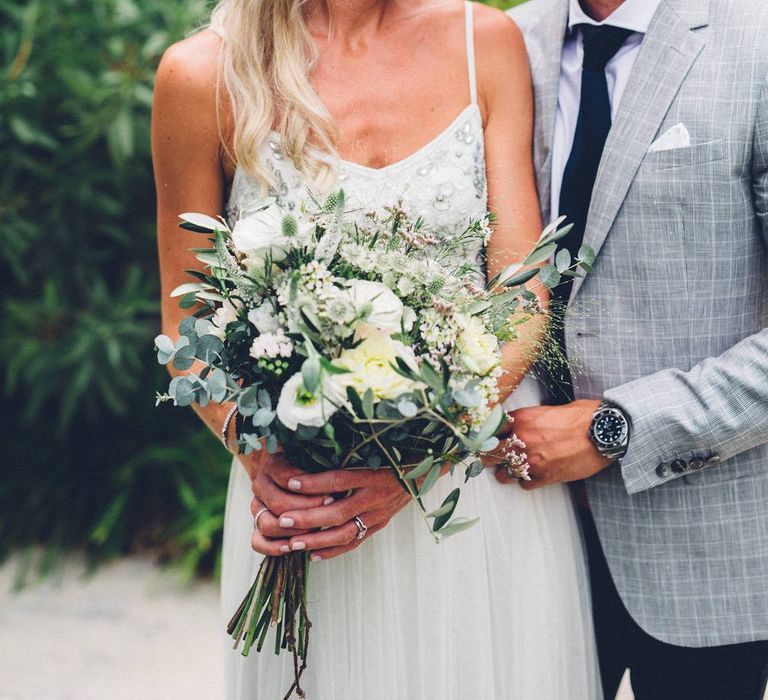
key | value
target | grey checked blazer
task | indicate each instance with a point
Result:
(673, 324)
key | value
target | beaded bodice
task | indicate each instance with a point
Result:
(443, 182)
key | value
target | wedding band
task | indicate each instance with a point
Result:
(256, 517)
(362, 529)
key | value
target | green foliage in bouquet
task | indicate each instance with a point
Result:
(350, 339)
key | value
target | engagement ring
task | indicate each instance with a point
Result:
(362, 529)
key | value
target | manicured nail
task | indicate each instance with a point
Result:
(315, 557)
(294, 485)
(284, 548)
(298, 545)
(286, 522)
(328, 501)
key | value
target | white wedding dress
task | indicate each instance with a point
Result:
(499, 612)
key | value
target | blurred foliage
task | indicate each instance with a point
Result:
(87, 461)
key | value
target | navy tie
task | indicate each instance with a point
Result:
(600, 45)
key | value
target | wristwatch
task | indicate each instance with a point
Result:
(609, 431)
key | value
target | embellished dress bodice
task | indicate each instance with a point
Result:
(443, 182)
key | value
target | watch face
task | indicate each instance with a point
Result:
(610, 428)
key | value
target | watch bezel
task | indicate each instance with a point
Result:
(617, 448)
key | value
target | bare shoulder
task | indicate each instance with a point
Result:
(498, 38)
(189, 68)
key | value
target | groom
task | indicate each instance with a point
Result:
(652, 137)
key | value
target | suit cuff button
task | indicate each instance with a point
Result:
(712, 460)
(679, 466)
(664, 470)
(696, 464)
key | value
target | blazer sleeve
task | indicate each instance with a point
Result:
(687, 421)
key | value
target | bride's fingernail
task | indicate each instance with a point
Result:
(294, 484)
(284, 548)
(328, 501)
(315, 557)
(286, 522)
(298, 545)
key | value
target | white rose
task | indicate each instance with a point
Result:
(224, 315)
(296, 406)
(370, 366)
(478, 349)
(263, 318)
(261, 234)
(382, 308)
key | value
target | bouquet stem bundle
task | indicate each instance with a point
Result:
(277, 598)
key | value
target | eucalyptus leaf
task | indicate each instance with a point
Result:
(550, 276)
(368, 404)
(474, 469)
(431, 480)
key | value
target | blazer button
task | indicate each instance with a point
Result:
(663, 470)
(679, 466)
(696, 464)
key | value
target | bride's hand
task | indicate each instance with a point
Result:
(329, 529)
(269, 475)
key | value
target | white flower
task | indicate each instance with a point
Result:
(406, 286)
(224, 315)
(263, 318)
(478, 349)
(272, 345)
(261, 234)
(296, 406)
(409, 318)
(377, 304)
(370, 366)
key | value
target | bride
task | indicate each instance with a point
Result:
(428, 103)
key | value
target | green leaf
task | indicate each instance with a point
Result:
(368, 404)
(587, 254)
(311, 374)
(474, 469)
(443, 514)
(550, 276)
(431, 377)
(521, 277)
(457, 525)
(421, 468)
(329, 367)
(407, 408)
(540, 254)
(355, 401)
(563, 260)
(200, 223)
(431, 480)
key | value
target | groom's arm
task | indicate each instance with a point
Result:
(716, 410)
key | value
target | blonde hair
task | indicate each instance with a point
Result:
(266, 60)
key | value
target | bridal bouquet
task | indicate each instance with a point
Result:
(348, 341)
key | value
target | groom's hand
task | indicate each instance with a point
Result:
(557, 444)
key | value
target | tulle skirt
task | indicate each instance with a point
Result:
(498, 612)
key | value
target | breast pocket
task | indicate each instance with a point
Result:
(699, 154)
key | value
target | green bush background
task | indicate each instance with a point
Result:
(88, 463)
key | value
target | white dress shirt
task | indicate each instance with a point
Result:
(635, 15)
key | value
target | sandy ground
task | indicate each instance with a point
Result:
(130, 632)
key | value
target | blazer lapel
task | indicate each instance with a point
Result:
(666, 56)
(545, 66)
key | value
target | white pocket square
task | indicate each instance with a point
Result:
(676, 137)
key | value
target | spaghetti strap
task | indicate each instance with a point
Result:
(470, 32)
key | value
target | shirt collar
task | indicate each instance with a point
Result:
(635, 15)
